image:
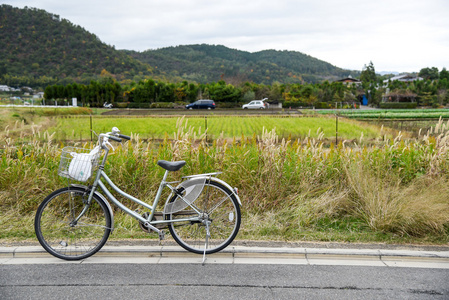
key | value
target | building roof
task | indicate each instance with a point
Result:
(349, 79)
(404, 78)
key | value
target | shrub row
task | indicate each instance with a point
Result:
(146, 105)
(398, 105)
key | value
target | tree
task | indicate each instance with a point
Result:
(429, 73)
(368, 74)
(220, 92)
(249, 96)
(444, 74)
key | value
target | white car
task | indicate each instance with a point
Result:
(256, 104)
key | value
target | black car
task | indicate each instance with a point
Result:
(201, 104)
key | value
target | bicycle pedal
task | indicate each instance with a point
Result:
(161, 235)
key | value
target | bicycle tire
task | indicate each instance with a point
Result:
(225, 220)
(68, 241)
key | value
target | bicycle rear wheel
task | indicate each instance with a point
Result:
(60, 235)
(219, 207)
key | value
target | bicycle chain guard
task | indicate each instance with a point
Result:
(187, 192)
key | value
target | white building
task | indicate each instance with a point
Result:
(4, 88)
(39, 95)
(403, 78)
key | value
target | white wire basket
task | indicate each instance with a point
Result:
(78, 163)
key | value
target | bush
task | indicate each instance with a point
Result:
(398, 105)
(292, 104)
(139, 105)
(322, 105)
(121, 104)
(162, 105)
(228, 104)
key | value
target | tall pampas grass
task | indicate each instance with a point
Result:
(289, 187)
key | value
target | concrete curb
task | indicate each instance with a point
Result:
(269, 252)
(138, 254)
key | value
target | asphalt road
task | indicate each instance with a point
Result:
(219, 281)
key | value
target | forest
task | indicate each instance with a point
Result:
(207, 63)
(40, 49)
(150, 93)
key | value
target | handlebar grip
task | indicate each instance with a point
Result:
(124, 137)
(114, 138)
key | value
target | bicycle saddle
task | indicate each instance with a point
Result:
(171, 165)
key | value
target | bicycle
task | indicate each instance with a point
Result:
(202, 213)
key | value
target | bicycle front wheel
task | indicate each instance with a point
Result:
(219, 212)
(57, 230)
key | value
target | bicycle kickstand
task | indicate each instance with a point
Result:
(207, 241)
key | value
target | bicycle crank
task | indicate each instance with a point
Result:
(157, 217)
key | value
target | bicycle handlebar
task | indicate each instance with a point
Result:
(114, 135)
(114, 138)
(124, 137)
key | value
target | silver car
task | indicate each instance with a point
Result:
(256, 104)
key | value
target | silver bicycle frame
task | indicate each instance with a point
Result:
(147, 222)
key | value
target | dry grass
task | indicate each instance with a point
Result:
(291, 189)
(415, 209)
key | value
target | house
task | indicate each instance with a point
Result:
(4, 88)
(399, 96)
(39, 95)
(349, 81)
(403, 78)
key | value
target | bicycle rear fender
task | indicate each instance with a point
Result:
(229, 187)
(102, 198)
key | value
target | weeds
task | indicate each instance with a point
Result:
(291, 189)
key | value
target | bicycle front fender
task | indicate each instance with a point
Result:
(102, 198)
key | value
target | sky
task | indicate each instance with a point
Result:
(395, 35)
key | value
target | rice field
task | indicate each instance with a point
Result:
(389, 113)
(78, 128)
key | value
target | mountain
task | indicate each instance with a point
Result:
(38, 44)
(206, 63)
(40, 48)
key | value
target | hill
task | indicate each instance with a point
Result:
(206, 63)
(40, 48)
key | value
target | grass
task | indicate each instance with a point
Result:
(78, 128)
(389, 113)
(291, 189)
(22, 123)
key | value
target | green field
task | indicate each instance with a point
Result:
(391, 191)
(389, 113)
(230, 126)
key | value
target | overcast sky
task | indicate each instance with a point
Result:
(396, 35)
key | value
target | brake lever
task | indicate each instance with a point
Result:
(94, 133)
(109, 144)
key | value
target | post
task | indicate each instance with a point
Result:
(205, 126)
(336, 130)
(91, 138)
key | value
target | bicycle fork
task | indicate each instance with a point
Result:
(86, 206)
